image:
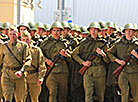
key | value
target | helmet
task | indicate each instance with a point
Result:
(32, 25)
(128, 26)
(57, 24)
(77, 28)
(72, 26)
(40, 25)
(23, 24)
(84, 29)
(103, 25)
(136, 26)
(6, 25)
(65, 24)
(47, 27)
(94, 25)
(110, 24)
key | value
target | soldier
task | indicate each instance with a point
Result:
(15, 57)
(94, 77)
(35, 74)
(22, 27)
(34, 36)
(128, 76)
(84, 32)
(40, 30)
(112, 89)
(47, 30)
(57, 81)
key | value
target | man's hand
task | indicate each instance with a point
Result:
(63, 53)
(121, 62)
(134, 53)
(18, 74)
(49, 62)
(87, 63)
(39, 82)
(99, 51)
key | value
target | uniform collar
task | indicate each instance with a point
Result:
(13, 44)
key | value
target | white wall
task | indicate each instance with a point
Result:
(86, 11)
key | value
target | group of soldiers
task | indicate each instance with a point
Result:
(64, 62)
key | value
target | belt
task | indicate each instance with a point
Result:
(12, 68)
(32, 71)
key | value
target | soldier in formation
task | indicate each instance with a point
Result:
(46, 62)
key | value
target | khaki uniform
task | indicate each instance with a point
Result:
(130, 73)
(94, 77)
(1, 94)
(35, 72)
(57, 81)
(10, 83)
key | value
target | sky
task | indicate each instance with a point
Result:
(86, 11)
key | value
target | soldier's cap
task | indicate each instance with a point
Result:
(65, 24)
(13, 28)
(72, 26)
(136, 26)
(103, 25)
(47, 27)
(111, 24)
(128, 26)
(6, 25)
(24, 25)
(25, 34)
(94, 24)
(84, 30)
(57, 25)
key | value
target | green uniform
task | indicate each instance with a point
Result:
(130, 72)
(94, 77)
(10, 83)
(57, 81)
(35, 72)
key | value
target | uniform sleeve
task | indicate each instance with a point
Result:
(75, 55)
(111, 53)
(26, 58)
(42, 67)
(1, 58)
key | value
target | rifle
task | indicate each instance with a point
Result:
(91, 58)
(120, 68)
(55, 59)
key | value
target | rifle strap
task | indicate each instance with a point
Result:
(13, 54)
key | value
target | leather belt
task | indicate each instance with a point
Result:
(12, 68)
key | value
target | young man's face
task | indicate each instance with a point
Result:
(26, 39)
(93, 31)
(13, 36)
(56, 32)
(22, 28)
(110, 31)
(129, 32)
(5, 31)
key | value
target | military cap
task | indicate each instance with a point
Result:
(40, 25)
(128, 26)
(72, 26)
(65, 24)
(32, 25)
(6, 25)
(136, 26)
(111, 24)
(23, 24)
(84, 30)
(58, 25)
(47, 27)
(94, 25)
(77, 28)
(1, 25)
(103, 25)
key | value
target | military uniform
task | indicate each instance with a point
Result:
(35, 72)
(10, 83)
(130, 72)
(58, 79)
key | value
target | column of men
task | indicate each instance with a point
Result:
(68, 63)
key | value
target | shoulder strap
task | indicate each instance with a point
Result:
(13, 55)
